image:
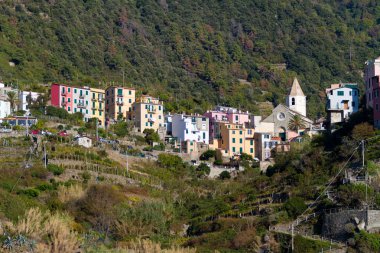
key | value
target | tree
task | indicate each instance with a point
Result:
(296, 123)
(207, 155)
(224, 175)
(295, 206)
(12, 99)
(151, 136)
(363, 131)
(121, 129)
(203, 170)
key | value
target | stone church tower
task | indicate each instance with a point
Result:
(296, 100)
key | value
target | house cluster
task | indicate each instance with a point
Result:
(229, 131)
(109, 105)
(12, 100)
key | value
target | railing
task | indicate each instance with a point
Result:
(81, 105)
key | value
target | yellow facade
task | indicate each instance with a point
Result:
(119, 101)
(148, 112)
(97, 102)
(236, 139)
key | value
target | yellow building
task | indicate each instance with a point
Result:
(119, 102)
(236, 139)
(148, 112)
(97, 101)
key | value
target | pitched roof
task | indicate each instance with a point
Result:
(296, 89)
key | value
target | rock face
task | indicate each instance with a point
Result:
(340, 225)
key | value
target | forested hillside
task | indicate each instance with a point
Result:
(191, 53)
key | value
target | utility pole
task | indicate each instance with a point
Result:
(45, 155)
(292, 236)
(366, 176)
(97, 134)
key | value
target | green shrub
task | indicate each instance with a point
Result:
(148, 148)
(169, 161)
(33, 193)
(224, 175)
(203, 170)
(86, 176)
(159, 147)
(55, 169)
(295, 206)
(45, 187)
(207, 155)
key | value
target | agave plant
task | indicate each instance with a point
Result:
(20, 240)
(8, 243)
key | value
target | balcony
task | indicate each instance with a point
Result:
(93, 99)
(94, 108)
(100, 99)
(81, 96)
(151, 110)
(119, 95)
(81, 106)
(101, 109)
(119, 102)
(151, 119)
(63, 103)
(64, 94)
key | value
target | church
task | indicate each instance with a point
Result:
(282, 114)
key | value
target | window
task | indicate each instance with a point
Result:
(353, 103)
(159, 107)
(100, 113)
(93, 111)
(93, 95)
(75, 109)
(86, 111)
(241, 150)
(159, 116)
(63, 89)
(93, 104)
(68, 108)
(350, 93)
(377, 107)
(293, 101)
(251, 150)
(68, 89)
(251, 142)
(107, 92)
(241, 132)
(203, 119)
(86, 102)
(130, 92)
(233, 140)
(119, 108)
(204, 135)
(233, 132)
(331, 92)
(340, 93)
(86, 92)
(146, 116)
(187, 131)
(249, 131)
(119, 92)
(130, 100)
(233, 149)
(236, 117)
(146, 124)
(241, 140)
(68, 100)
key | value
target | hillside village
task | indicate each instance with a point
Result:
(229, 131)
(121, 136)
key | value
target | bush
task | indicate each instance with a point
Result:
(121, 129)
(224, 175)
(55, 169)
(33, 193)
(246, 157)
(148, 148)
(207, 155)
(86, 176)
(203, 170)
(169, 161)
(159, 147)
(295, 206)
(151, 136)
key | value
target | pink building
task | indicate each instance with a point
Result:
(372, 85)
(223, 114)
(62, 96)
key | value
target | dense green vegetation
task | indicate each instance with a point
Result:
(191, 53)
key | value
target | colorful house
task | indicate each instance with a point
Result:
(98, 105)
(236, 139)
(148, 112)
(342, 101)
(223, 114)
(81, 101)
(62, 96)
(119, 101)
(372, 86)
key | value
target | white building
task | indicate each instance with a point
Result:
(24, 97)
(296, 100)
(84, 141)
(190, 128)
(342, 101)
(81, 97)
(168, 123)
(5, 107)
